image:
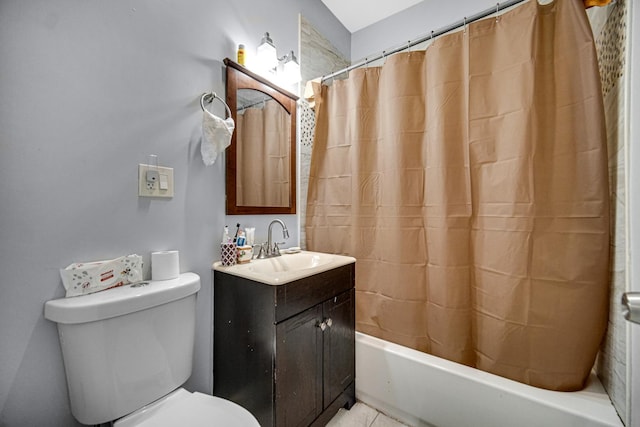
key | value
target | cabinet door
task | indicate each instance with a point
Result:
(298, 381)
(339, 345)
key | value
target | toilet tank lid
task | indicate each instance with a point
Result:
(122, 300)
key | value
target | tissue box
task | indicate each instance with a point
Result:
(88, 277)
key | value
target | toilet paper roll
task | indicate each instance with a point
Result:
(165, 265)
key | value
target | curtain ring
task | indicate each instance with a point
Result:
(366, 62)
(497, 10)
(327, 79)
(409, 46)
(464, 25)
(384, 59)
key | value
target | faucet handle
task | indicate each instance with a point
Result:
(261, 253)
(276, 248)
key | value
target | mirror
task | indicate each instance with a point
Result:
(261, 160)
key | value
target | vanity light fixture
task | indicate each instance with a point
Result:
(284, 70)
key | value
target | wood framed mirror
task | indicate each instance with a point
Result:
(261, 160)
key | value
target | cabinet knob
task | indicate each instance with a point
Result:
(329, 322)
(322, 325)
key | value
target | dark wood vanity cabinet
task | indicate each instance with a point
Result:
(287, 352)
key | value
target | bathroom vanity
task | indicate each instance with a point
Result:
(284, 340)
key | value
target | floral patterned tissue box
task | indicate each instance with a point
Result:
(88, 277)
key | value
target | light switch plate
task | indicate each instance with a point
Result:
(156, 190)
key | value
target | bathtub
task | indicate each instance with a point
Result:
(423, 390)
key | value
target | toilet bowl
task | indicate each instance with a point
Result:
(127, 351)
(182, 408)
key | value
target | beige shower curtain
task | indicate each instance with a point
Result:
(263, 157)
(470, 182)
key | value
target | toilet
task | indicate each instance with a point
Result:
(127, 351)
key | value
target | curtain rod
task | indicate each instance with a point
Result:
(436, 33)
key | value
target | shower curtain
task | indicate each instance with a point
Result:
(263, 160)
(470, 182)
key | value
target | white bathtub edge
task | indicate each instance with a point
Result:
(394, 387)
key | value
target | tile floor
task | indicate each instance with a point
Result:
(362, 415)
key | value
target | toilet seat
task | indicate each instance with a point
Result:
(182, 408)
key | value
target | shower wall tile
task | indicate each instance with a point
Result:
(318, 56)
(308, 120)
(609, 27)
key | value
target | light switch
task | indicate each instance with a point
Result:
(161, 186)
(164, 182)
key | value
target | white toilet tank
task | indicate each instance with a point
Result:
(123, 348)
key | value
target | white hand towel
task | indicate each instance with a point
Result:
(216, 136)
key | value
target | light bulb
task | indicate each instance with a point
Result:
(266, 54)
(291, 69)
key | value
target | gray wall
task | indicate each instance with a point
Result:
(88, 89)
(411, 23)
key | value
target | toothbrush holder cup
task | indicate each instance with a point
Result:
(228, 254)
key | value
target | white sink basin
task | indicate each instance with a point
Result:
(287, 267)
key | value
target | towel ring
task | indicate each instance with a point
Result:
(209, 97)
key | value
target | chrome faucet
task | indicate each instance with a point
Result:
(272, 248)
